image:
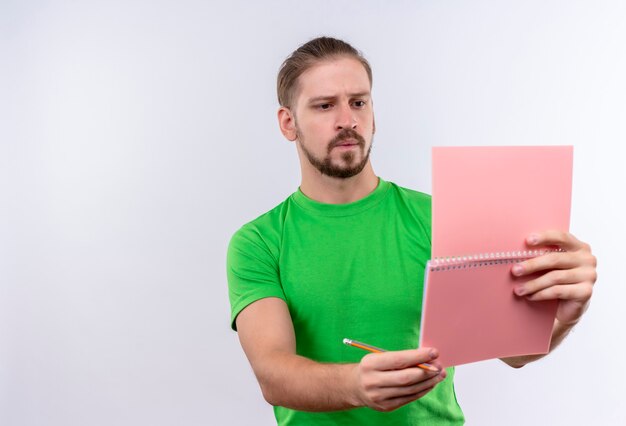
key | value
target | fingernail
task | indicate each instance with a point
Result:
(518, 269)
(433, 354)
(520, 291)
(533, 239)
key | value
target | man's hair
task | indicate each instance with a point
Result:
(307, 55)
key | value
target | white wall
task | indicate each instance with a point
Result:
(137, 136)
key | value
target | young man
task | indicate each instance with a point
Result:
(344, 256)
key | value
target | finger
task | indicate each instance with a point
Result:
(555, 261)
(393, 403)
(556, 278)
(548, 261)
(404, 377)
(417, 386)
(553, 237)
(398, 360)
(580, 291)
(387, 393)
(422, 393)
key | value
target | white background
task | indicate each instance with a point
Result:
(137, 136)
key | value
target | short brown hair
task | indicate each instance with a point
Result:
(307, 55)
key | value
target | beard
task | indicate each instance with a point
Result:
(349, 166)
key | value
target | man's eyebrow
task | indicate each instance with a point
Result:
(322, 98)
(361, 95)
(332, 97)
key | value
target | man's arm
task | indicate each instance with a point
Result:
(383, 381)
(568, 276)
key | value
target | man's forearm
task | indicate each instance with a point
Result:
(559, 332)
(382, 381)
(302, 384)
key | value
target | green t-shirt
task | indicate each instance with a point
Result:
(345, 271)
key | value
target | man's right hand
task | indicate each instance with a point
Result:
(382, 381)
(388, 380)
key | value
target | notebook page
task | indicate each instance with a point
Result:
(488, 199)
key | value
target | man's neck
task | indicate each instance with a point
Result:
(329, 190)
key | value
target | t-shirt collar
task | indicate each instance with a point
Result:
(324, 209)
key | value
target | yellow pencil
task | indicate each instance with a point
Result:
(365, 346)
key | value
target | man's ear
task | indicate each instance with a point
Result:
(373, 125)
(287, 123)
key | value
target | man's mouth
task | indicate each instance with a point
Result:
(347, 140)
(348, 143)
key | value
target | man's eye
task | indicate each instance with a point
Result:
(324, 106)
(359, 104)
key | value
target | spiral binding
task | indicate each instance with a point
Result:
(485, 259)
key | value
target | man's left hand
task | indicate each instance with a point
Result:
(568, 275)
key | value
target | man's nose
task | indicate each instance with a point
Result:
(346, 118)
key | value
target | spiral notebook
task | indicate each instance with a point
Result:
(485, 202)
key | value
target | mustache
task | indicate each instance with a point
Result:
(344, 135)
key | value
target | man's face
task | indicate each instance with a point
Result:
(334, 119)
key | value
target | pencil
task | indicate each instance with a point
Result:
(374, 349)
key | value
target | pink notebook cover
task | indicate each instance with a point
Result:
(486, 200)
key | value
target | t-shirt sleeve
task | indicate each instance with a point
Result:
(252, 271)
